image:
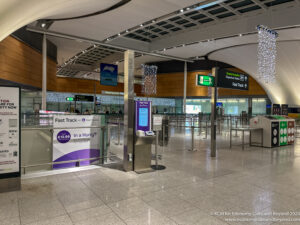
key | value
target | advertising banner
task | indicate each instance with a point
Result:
(142, 115)
(75, 137)
(9, 131)
(108, 74)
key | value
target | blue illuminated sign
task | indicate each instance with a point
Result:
(108, 74)
(143, 117)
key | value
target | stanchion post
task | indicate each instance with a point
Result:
(214, 97)
(156, 149)
(102, 144)
(193, 138)
(206, 129)
(163, 134)
(119, 131)
(200, 126)
(236, 125)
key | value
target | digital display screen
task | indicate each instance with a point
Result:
(143, 117)
(193, 109)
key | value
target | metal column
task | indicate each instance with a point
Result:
(213, 121)
(44, 79)
(128, 110)
(184, 87)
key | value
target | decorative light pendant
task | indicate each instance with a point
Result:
(149, 79)
(267, 52)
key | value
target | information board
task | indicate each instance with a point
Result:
(284, 109)
(108, 74)
(9, 132)
(157, 122)
(84, 98)
(76, 137)
(232, 80)
(205, 80)
(276, 109)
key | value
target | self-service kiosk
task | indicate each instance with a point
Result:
(277, 130)
(144, 136)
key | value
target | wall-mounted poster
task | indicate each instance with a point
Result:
(9, 132)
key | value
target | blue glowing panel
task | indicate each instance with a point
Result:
(143, 117)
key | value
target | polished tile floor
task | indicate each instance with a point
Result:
(236, 186)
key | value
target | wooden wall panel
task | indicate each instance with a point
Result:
(21, 64)
(169, 85)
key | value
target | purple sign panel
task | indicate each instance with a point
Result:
(143, 115)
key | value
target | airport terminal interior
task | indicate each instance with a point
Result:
(139, 112)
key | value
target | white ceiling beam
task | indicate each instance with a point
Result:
(281, 18)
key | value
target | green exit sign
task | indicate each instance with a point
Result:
(205, 80)
(70, 99)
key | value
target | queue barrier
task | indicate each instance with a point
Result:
(103, 149)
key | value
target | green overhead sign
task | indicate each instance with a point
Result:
(205, 80)
(70, 99)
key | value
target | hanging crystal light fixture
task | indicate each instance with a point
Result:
(267, 52)
(149, 79)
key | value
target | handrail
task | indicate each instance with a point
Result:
(57, 128)
(62, 162)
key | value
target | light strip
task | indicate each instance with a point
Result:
(93, 41)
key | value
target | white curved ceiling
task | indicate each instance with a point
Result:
(286, 88)
(15, 14)
(18, 13)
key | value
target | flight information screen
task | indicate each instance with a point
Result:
(143, 117)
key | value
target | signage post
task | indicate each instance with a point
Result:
(214, 96)
(10, 139)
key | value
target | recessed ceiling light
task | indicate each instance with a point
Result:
(187, 8)
(183, 45)
(95, 46)
(153, 21)
(141, 25)
(164, 49)
(126, 31)
(119, 34)
(181, 10)
(43, 25)
(107, 39)
(240, 35)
